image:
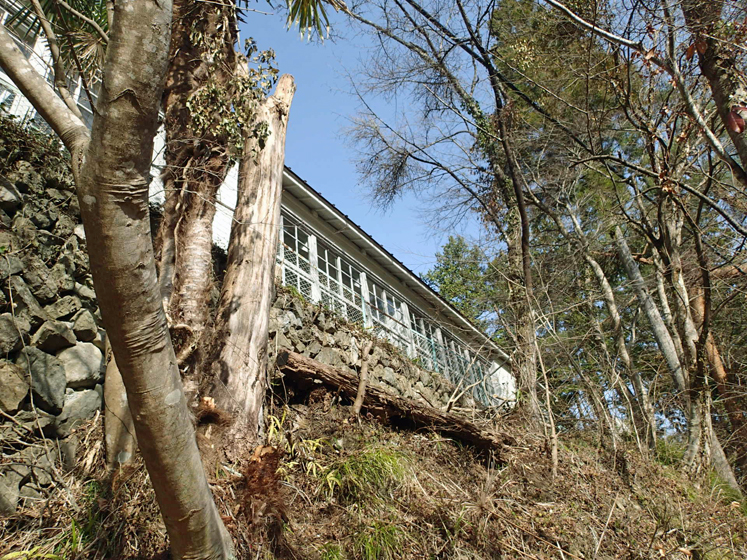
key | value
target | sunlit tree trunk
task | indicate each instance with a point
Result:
(196, 165)
(239, 355)
(663, 338)
(732, 401)
(111, 169)
(642, 396)
(202, 58)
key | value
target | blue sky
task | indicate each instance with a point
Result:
(316, 148)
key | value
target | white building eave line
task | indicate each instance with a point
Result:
(406, 275)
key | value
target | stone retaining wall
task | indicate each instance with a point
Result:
(51, 344)
(313, 331)
(51, 341)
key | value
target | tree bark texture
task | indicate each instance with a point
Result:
(663, 338)
(666, 310)
(66, 125)
(112, 168)
(733, 402)
(239, 354)
(718, 65)
(671, 254)
(520, 271)
(642, 396)
(306, 372)
(113, 194)
(119, 429)
(201, 56)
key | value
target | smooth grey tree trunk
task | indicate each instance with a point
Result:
(113, 194)
(119, 429)
(666, 310)
(112, 170)
(701, 437)
(642, 396)
(241, 330)
(663, 338)
(608, 295)
(672, 234)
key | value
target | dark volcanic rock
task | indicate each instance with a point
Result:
(47, 378)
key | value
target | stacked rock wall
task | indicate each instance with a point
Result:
(51, 341)
(313, 331)
(51, 344)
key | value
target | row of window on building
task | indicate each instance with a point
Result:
(320, 273)
(309, 264)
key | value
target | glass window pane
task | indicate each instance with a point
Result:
(303, 244)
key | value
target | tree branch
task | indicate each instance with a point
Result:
(86, 19)
(671, 69)
(60, 73)
(68, 126)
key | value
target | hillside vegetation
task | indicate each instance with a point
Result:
(330, 487)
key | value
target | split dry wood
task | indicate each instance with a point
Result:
(304, 372)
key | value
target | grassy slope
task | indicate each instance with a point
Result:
(345, 489)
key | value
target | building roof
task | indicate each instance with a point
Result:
(343, 225)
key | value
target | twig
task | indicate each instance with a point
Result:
(609, 517)
(553, 431)
(60, 74)
(88, 20)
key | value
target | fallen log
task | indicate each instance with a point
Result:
(304, 373)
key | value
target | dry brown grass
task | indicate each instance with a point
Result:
(429, 498)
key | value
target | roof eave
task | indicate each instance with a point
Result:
(330, 214)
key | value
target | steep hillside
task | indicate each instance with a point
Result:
(334, 488)
(327, 485)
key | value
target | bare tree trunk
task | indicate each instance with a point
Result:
(526, 334)
(703, 446)
(696, 431)
(642, 396)
(114, 204)
(731, 401)
(720, 462)
(553, 436)
(193, 268)
(239, 354)
(201, 56)
(111, 168)
(119, 428)
(663, 338)
(717, 64)
(666, 310)
(672, 234)
(305, 373)
(165, 241)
